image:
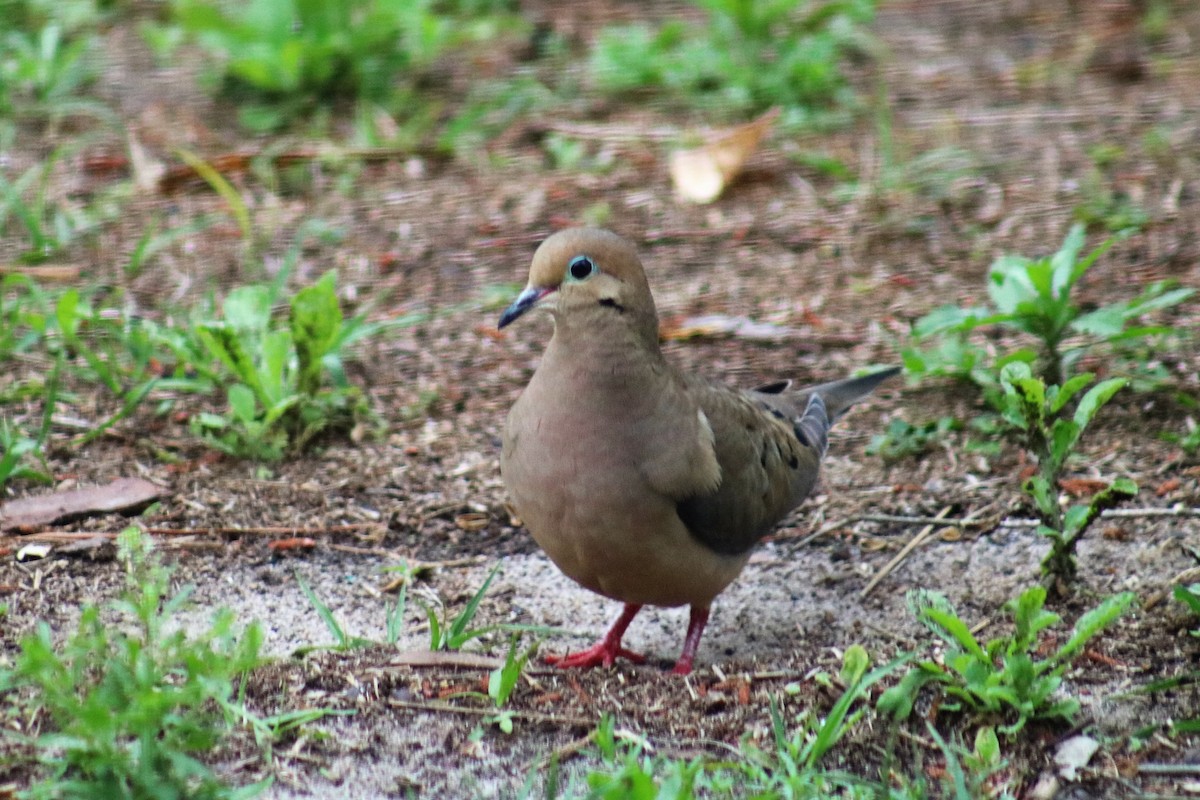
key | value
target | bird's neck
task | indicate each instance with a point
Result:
(611, 346)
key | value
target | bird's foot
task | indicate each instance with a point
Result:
(601, 654)
(682, 667)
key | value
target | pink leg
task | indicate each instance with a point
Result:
(608, 649)
(696, 623)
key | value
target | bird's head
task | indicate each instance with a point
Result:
(580, 269)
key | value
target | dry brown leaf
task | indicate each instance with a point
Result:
(1082, 487)
(123, 494)
(46, 273)
(473, 521)
(444, 658)
(702, 173)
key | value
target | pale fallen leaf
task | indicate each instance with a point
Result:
(33, 552)
(724, 325)
(48, 273)
(1074, 754)
(474, 521)
(147, 170)
(444, 658)
(702, 173)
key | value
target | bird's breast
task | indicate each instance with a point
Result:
(574, 471)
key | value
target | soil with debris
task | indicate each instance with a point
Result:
(994, 112)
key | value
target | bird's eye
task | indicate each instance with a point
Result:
(581, 267)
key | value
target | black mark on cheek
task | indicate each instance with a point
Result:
(608, 302)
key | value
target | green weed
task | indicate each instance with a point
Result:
(1005, 675)
(745, 58)
(902, 439)
(48, 225)
(124, 709)
(1190, 596)
(284, 378)
(283, 58)
(447, 634)
(1034, 297)
(790, 764)
(1107, 208)
(18, 449)
(48, 57)
(1038, 412)
(342, 640)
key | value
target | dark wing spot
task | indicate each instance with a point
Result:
(775, 387)
(793, 462)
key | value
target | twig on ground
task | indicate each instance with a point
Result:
(1169, 769)
(267, 530)
(913, 544)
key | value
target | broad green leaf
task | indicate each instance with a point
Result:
(1105, 322)
(957, 630)
(1086, 263)
(987, 747)
(1063, 394)
(248, 309)
(898, 700)
(1064, 264)
(242, 402)
(1096, 397)
(1189, 596)
(1093, 622)
(273, 369)
(855, 664)
(226, 345)
(276, 411)
(1155, 297)
(1075, 519)
(316, 322)
(1064, 434)
(944, 319)
(1044, 495)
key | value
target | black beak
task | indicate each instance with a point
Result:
(525, 301)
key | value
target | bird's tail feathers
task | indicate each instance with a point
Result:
(840, 395)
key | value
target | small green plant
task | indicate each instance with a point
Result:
(789, 764)
(747, 57)
(1005, 675)
(283, 58)
(124, 709)
(969, 773)
(394, 615)
(342, 640)
(16, 450)
(1189, 442)
(453, 634)
(1112, 210)
(902, 439)
(1190, 596)
(288, 383)
(1038, 411)
(48, 56)
(47, 224)
(503, 680)
(1034, 297)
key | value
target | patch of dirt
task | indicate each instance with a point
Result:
(1025, 91)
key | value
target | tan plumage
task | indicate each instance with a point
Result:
(642, 483)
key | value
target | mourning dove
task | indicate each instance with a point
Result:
(641, 482)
